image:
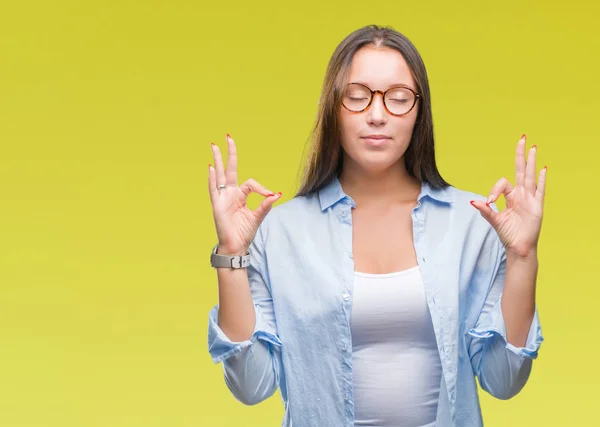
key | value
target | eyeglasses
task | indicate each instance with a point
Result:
(398, 100)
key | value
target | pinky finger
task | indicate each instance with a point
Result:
(212, 183)
(541, 187)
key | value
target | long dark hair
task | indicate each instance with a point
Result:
(325, 155)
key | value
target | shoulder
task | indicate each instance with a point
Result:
(450, 211)
(461, 197)
(292, 213)
(293, 208)
(460, 202)
(476, 228)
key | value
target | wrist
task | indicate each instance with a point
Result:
(225, 250)
(522, 257)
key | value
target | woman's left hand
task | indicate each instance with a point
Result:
(519, 225)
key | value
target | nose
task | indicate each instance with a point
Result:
(376, 113)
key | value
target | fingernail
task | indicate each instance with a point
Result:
(523, 136)
(228, 136)
(473, 203)
(209, 166)
(545, 167)
(270, 194)
(535, 146)
(212, 143)
(279, 194)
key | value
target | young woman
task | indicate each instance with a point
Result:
(379, 292)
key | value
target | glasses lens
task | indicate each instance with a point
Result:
(399, 100)
(357, 97)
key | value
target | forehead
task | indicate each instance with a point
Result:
(380, 68)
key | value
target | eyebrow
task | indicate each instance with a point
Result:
(390, 86)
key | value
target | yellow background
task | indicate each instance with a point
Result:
(107, 112)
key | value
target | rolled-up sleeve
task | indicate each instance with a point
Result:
(221, 347)
(251, 367)
(502, 369)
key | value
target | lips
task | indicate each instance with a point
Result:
(375, 137)
(376, 140)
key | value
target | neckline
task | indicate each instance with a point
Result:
(386, 275)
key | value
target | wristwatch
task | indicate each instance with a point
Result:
(228, 261)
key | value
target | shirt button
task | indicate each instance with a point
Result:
(346, 297)
(347, 397)
(344, 214)
(344, 347)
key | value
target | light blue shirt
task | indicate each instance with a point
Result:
(301, 278)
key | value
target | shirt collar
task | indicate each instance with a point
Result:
(332, 193)
(443, 195)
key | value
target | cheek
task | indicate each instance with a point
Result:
(405, 125)
(349, 124)
(347, 129)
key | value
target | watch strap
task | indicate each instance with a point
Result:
(228, 261)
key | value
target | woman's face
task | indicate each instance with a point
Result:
(379, 69)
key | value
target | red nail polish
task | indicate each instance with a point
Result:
(545, 167)
(279, 193)
(473, 203)
(523, 136)
(228, 136)
(270, 194)
(535, 146)
(209, 165)
(212, 143)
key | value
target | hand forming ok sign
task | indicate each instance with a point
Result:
(519, 225)
(235, 223)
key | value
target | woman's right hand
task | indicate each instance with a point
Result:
(235, 223)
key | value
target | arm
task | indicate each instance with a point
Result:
(242, 330)
(508, 334)
(503, 365)
(519, 296)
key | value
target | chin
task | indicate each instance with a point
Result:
(376, 166)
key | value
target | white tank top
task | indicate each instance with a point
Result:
(396, 366)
